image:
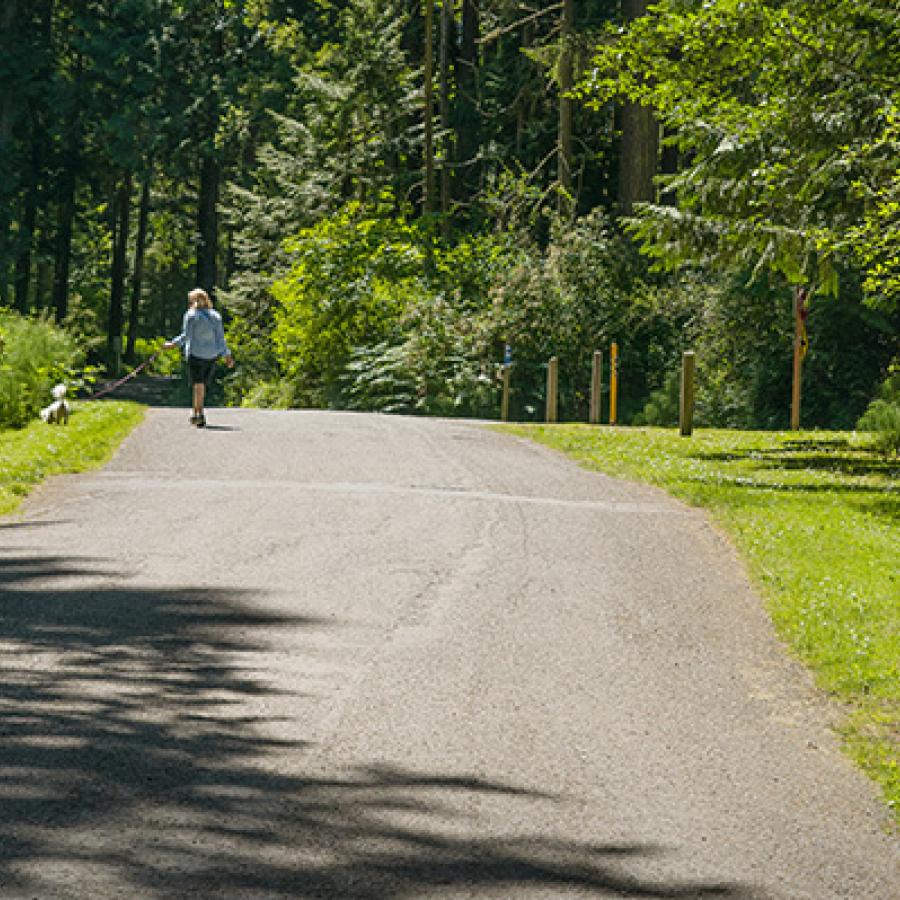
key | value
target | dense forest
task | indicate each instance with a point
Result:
(386, 198)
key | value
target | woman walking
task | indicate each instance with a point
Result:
(203, 340)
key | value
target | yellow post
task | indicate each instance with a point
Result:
(504, 400)
(686, 412)
(596, 385)
(552, 388)
(613, 382)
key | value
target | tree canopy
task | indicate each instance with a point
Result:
(521, 161)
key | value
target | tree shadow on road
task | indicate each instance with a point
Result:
(130, 767)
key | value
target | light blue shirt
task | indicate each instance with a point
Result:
(202, 334)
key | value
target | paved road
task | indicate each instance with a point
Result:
(350, 656)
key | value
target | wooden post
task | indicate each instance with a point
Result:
(686, 412)
(613, 383)
(596, 385)
(552, 388)
(504, 400)
(799, 297)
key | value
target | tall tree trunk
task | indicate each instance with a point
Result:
(9, 98)
(29, 218)
(668, 165)
(208, 221)
(428, 76)
(447, 40)
(466, 108)
(8, 102)
(26, 243)
(566, 205)
(44, 282)
(210, 177)
(63, 255)
(121, 214)
(524, 102)
(137, 273)
(69, 164)
(639, 147)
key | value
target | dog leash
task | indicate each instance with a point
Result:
(111, 387)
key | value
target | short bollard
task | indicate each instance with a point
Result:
(504, 399)
(552, 388)
(613, 383)
(596, 386)
(686, 410)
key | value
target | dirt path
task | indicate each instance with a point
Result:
(351, 656)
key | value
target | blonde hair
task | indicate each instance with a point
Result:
(199, 299)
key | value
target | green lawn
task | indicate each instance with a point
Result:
(817, 518)
(28, 455)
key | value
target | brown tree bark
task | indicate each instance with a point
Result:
(210, 182)
(63, 254)
(121, 214)
(22, 280)
(639, 147)
(25, 248)
(137, 273)
(428, 77)
(447, 48)
(208, 221)
(66, 206)
(466, 98)
(566, 204)
(8, 104)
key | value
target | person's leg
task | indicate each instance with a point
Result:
(199, 395)
(195, 377)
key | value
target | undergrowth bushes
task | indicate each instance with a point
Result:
(882, 417)
(375, 311)
(34, 355)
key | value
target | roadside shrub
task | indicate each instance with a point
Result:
(664, 406)
(169, 362)
(378, 379)
(584, 291)
(882, 417)
(34, 355)
(351, 278)
(277, 393)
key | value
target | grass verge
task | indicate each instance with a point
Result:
(816, 517)
(28, 455)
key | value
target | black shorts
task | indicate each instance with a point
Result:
(200, 370)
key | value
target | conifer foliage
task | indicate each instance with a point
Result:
(384, 196)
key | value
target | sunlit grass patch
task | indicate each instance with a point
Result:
(30, 454)
(816, 516)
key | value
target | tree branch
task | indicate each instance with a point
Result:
(499, 32)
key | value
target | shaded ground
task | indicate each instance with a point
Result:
(126, 733)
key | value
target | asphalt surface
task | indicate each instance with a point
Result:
(304, 654)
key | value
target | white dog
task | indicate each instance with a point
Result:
(57, 413)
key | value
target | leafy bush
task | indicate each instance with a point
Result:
(378, 378)
(377, 314)
(883, 414)
(270, 394)
(664, 405)
(585, 291)
(169, 362)
(34, 355)
(351, 277)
